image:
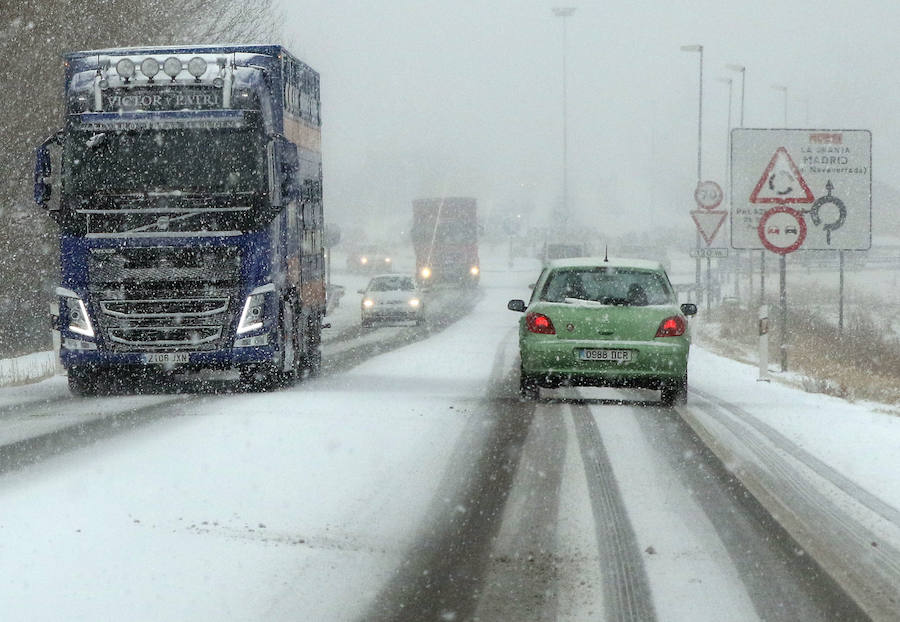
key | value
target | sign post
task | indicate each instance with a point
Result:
(825, 175)
(708, 219)
(763, 343)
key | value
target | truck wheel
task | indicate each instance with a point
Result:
(314, 346)
(260, 378)
(83, 381)
(292, 338)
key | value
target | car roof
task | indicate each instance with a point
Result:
(603, 262)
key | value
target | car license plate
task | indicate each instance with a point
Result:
(604, 354)
(166, 358)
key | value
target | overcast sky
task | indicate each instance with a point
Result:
(429, 98)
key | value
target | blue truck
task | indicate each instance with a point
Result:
(190, 214)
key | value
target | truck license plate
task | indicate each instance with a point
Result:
(603, 354)
(166, 358)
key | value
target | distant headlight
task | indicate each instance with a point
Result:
(368, 303)
(414, 302)
(473, 271)
(425, 273)
(387, 260)
(363, 260)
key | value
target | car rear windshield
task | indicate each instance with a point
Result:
(611, 286)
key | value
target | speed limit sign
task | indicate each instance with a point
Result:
(708, 195)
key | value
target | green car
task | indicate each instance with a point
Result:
(595, 321)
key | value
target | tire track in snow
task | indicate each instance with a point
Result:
(626, 589)
(791, 586)
(442, 576)
(867, 569)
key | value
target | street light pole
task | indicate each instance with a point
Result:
(698, 48)
(784, 90)
(563, 219)
(728, 81)
(743, 71)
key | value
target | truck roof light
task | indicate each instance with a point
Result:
(172, 67)
(150, 67)
(125, 68)
(196, 67)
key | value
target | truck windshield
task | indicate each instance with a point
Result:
(186, 160)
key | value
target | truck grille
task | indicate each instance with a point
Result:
(163, 298)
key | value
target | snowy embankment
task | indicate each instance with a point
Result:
(28, 368)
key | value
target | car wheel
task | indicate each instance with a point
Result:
(675, 394)
(528, 386)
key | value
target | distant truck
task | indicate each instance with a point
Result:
(445, 240)
(190, 214)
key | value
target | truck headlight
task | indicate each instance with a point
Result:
(368, 303)
(425, 273)
(125, 68)
(254, 309)
(414, 302)
(76, 313)
(196, 67)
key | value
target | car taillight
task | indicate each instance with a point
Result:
(539, 323)
(672, 327)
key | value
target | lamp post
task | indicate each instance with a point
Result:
(698, 48)
(563, 220)
(784, 90)
(728, 81)
(743, 71)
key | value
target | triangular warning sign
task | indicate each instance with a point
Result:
(781, 182)
(708, 222)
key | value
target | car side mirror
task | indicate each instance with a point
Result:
(689, 308)
(360, 291)
(516, 305)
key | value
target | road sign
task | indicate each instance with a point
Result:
(826, 175)
(782, 229)
(708, 222)
(708, 195)
(781, 182)
(709, 252)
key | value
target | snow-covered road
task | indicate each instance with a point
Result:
(413, 484)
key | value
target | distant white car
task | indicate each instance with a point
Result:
(391, 297)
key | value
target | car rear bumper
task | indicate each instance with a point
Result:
(555, 362)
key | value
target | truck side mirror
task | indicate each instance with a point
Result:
(43, 169)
